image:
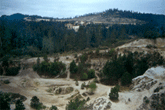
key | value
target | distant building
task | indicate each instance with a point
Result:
(76, 28)
(69, 26)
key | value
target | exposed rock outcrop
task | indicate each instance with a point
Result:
(101, 103)
(149, 79)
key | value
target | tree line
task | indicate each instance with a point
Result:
(36, 38)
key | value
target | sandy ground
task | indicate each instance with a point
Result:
(30, 87)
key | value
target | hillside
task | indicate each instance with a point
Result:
(111, 17)
(141, 94)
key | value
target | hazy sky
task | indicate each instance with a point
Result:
(71, 8)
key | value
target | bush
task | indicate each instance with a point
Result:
(19, 105)
(75, 104)
(36, 104)
(88, 99)
(6, 81)
(76, 83)
(91, 73)
(92, 87)
(114, 93)
(83, 85)
(12, 71)
(126, 79)
(53, 107)
(84, 76)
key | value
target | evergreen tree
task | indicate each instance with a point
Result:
(114, 93)
(19, 105)
(73, 67)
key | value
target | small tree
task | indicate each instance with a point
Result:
(114, 93)
(36, 104)
(73, 67)
(53, 107)
(92, 87)
(19, 105)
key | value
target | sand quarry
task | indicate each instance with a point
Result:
(28, 83)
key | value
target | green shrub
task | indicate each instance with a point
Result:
(91, 73)
(76, 83)
(19, 105)
(75, 104)
(92, 87)
(84, 76)
(53, 107)
(36, 104)
(6, 81)
(83, 85)
(88, 99)
(114, 93)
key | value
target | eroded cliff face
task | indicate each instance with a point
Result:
(153, 80)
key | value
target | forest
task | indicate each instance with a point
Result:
(19, 37)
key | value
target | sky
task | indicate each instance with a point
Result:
(72, 8)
